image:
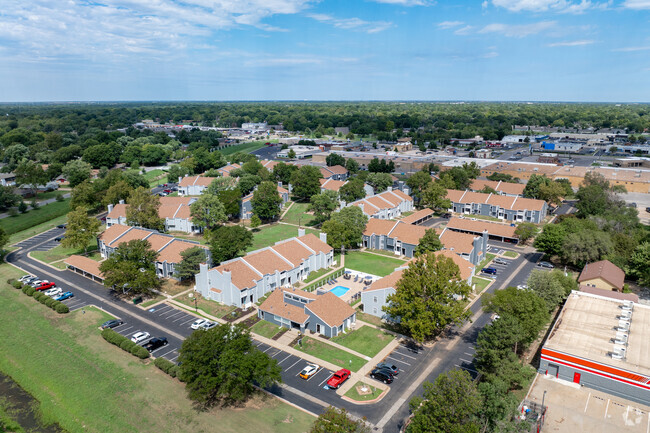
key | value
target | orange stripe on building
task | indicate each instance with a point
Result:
(595, 365)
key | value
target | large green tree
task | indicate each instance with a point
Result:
(266, 201)
(230, 198)
(283, 172)
(306, 182)
(76, 171)
(121, 190)
(352, 190)
(324, 204)
(131, 268)
(418, 182)
(4, 239)
(223, 366)
(586, 246)
(428, 297)
(430, 242)
(191, 259)
(639, 266)
(228, 242)
(143, 210)
(435, 197)
(547, 287)
(525, 231)
(335, 159)
(346, 227)
(449, 405)
(30, 174)
(551, 239)
(7, 198)
(379, 181)
(80, 229)
(208, 212)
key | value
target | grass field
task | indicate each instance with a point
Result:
(265, 329)
(92, 386)
(387, 254)
(35, 217)
(155, 177)
(511, 254)
(244, 147)
(331, 354)
(297, 215)
(365, 340)
(212, 308)
(481, 283)
(369, 318)
(371, 263)
(269, 235)
(354, 395)
(47, 195)
(60, 252)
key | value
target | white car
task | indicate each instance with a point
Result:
(522, 287)
(140, 336)
(55, 291)
(208, 325)
(25, 278)
(197, 323)
(309, 371)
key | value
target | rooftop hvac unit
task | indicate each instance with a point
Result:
(620, 349)
(626, 315)
(620, 342)
(617, 355)
(621, 336)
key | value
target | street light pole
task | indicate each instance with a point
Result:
(195, 304)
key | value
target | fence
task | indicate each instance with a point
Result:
(534, 414)
(323, 281)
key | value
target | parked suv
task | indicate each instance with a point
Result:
(491, 271)
(382, 375)
(155, 343)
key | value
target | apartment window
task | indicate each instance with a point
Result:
(374, 310)
(375, 299)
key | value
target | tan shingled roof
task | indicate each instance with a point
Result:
(466, 268)
(478, 226)
(85, 264)
(527, 204)
(119, 211)
(172, 252)
(411, 219)
(511, 188)
(275, 304)
(389, 281)
(378, 227)
(604, 269)
(408, 233)
(331, 184)
(337, 169)
(330, 309)
(312, 241)
(196, 180)
(267, 261)
(401, 194)
(129, 235)
(242, 276)
(455, 195)
(113, 232)
(391, 198)
(293, 251)
(175, 201)
(158, 241)
(457, 242)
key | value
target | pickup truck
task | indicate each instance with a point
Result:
(338, 378)
(155, 343)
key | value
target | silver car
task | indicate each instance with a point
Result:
(501, 261)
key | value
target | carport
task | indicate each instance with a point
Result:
(89, 268)
(419, 217)
(496, 231)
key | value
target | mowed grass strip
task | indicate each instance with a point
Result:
(265, 329)
(332, 354)
(60, 252)
(366, 340)
(481, 283)
(298, 215)
(269, 235)
(34, 217)
(371, 263)
(87, 385)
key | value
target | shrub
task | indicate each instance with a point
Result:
(17, 285)
(61, 308)
(22, 207)
(49, 301)
(11, 280)
(38, 296)
(140, 352)
(166, 365)
(29, 291)
(34, 204)
(12, 212)
(127, 345)
(24, 289)
(59, 197)
(112, 336)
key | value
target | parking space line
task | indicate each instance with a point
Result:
(464, 360)
(587, 404)
(173, 359)
(166, 353)
(180, 318)
(468, 354)
(288, 356)
(118, 326)
(275, 353)
(188, 321)
(288, 368)
(466, 368)
(606, 409)
(326, 377)
(163, 310)
(124, 330)
(172, 315)
(399, 360)
(403, 354)
(270, 347)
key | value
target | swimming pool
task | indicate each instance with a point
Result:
(339, 290)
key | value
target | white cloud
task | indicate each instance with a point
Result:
(114, 29)
(632, 49)
(450, 24)
(485, 4)
(636, 4)
(572, 43)
(561, 6)
(518, 30)
(464, 30)
(353, 23)
(407, 2)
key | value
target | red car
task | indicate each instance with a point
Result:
(44, 286)
(338, 378)
(168, 191)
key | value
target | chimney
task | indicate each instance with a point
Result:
(280, 184)
(301, 232)
(323, 237)
(179, 179)
(121, 201)
(110, 208)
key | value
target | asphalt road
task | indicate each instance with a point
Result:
(267, 152)
(173, 323)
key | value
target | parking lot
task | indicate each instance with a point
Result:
(170, 351)
(42, 242)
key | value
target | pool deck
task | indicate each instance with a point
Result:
(355, 287)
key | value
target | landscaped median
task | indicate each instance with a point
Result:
(331, 354)
(362, 392)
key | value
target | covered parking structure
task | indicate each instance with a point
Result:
(496, 231)
(419, 217)
(89, 268)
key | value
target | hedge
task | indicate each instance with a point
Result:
(38, 296)
(125, 344)
(41, 297)
(167, 366)
(61, 308)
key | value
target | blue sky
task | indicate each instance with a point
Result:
(531, 50)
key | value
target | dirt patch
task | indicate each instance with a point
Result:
(282, 331)
(250, 321)
(234, 315)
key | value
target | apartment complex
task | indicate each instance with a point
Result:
(503, 188)
(193, 185)
(243, 281)
(516, 209)
(175, 211)
(168, 247)
(246, 208)
(386, 205)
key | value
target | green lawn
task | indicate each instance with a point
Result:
(297, 215)
(354, 395)
(366, 340)
(244, 147)
(35, 217)
(511, 254)
(212, 308)
(48, 194)
(152, 301)
(387, 254)
(60, 252)
(369, 318)
(269, 235)
(481, 283)
(265, 329)
(313, 276)
(488, 258)
(155, 177)
(329, 353)
(371, 263)
(87, 385)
